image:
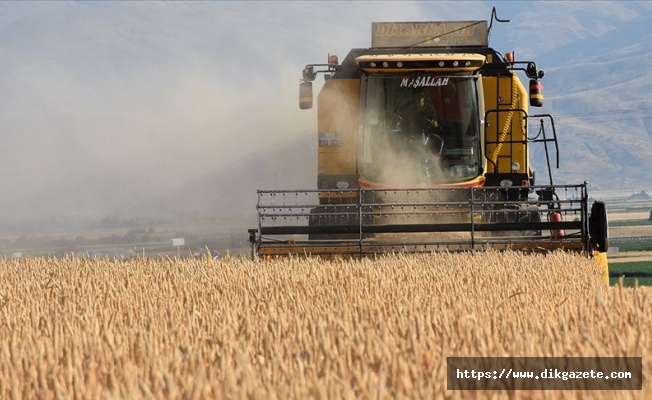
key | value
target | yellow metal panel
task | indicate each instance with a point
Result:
(337, 163)
(338, 105)
(505, 93)
(478, 60)
(603, 264)
(421, 57)
(504, 164)
(325, 252)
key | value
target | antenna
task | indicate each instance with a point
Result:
(494, 16)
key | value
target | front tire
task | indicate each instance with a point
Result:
(599, 227)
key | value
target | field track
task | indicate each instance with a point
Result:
(231, 328)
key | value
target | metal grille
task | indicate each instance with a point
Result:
(364, 221)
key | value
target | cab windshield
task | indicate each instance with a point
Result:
(420, 129)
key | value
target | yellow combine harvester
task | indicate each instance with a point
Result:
(424, 145)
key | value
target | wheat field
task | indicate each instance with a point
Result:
(303, 328)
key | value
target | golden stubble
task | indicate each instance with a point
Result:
(302, 328)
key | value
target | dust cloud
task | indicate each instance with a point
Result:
(146, 108)
(405, 162)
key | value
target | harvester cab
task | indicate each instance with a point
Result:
(424, 144)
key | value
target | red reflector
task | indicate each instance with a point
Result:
(536, 85)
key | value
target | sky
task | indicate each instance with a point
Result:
(108, 103)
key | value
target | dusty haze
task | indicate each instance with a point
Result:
(120, 106)
(153, 107)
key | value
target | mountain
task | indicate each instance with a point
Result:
(599, 94)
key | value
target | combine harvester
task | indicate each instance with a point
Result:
(424, 145)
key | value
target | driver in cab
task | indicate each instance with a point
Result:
(420, 117)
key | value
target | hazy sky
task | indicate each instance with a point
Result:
(106, 103)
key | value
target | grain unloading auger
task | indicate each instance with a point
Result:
(424, 145)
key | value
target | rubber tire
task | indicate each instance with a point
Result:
(599, 227)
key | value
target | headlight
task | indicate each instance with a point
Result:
(515, 167)
(342, 184)
(506, 183)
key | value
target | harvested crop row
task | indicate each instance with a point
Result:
(302, 328)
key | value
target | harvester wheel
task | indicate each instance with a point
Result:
(599, 227)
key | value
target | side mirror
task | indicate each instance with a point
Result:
(305, 95)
